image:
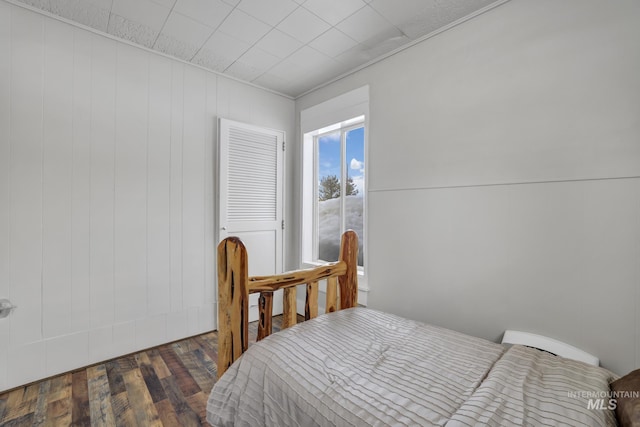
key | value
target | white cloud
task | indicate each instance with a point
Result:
(331, 137)
(356, 165)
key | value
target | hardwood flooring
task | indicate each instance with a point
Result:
(164, 386)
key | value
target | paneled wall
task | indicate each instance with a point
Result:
(107, 204)
(504, 175)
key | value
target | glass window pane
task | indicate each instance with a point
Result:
(355, 191)
(329, 197)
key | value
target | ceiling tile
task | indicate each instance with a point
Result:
(319, 77)
(288, 70)
(94, 14)
(275, 83)
(385, 44)
(258, 58)
(244, 27)
(208, 12)
(132, 31)
(185, 29)
(178, 48)
(166, 3)
(423, 24)
(252, 64)
(417, 18)
(300, 86)
(309, 58)
(355, 56)
(389, 36)
(104, 4)
(243, 72)
(271, 12)
(313, 78)
(398, 15)
(334, 11)
(144, 12)
(40, 4)
(278, 43)
(303, 25)
(212, 60)
(314, 40)
(452, 10)
(224, 43)
(363, 25)
(220, 51)
(333, 42)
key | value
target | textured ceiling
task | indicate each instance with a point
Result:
(289, 46)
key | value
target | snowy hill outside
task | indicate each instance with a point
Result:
(329, 226)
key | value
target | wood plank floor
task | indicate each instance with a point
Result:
(164, 386)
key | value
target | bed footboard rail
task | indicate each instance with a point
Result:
(235, 285)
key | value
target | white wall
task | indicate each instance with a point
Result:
(106, 193)
(504, 175)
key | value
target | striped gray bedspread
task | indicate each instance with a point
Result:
(360, 367)
(354, 367)
(528, 387)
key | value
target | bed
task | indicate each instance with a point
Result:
(354, 366)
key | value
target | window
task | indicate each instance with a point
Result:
(339, 188)
(333, 187)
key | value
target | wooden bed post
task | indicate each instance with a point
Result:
(235, 285)
(349, 281)
(233, 302)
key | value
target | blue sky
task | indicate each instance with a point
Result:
(329, 156)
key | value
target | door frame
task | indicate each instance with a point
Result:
(220, 222)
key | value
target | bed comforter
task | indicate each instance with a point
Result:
(360, 367)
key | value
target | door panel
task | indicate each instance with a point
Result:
(261, 261)
(250, 198)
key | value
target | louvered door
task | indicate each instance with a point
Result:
(250, 197)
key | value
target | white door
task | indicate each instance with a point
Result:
(250, 195)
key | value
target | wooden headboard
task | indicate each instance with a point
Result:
(235, 285)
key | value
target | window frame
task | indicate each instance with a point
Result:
(317, 116)
(344, 128)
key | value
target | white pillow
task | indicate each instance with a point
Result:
(549, 344)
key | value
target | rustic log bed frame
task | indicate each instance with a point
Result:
(235, 285)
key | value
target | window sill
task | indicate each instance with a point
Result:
(362, 279)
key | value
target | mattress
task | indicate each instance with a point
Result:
(352, 367)
(361, 367)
